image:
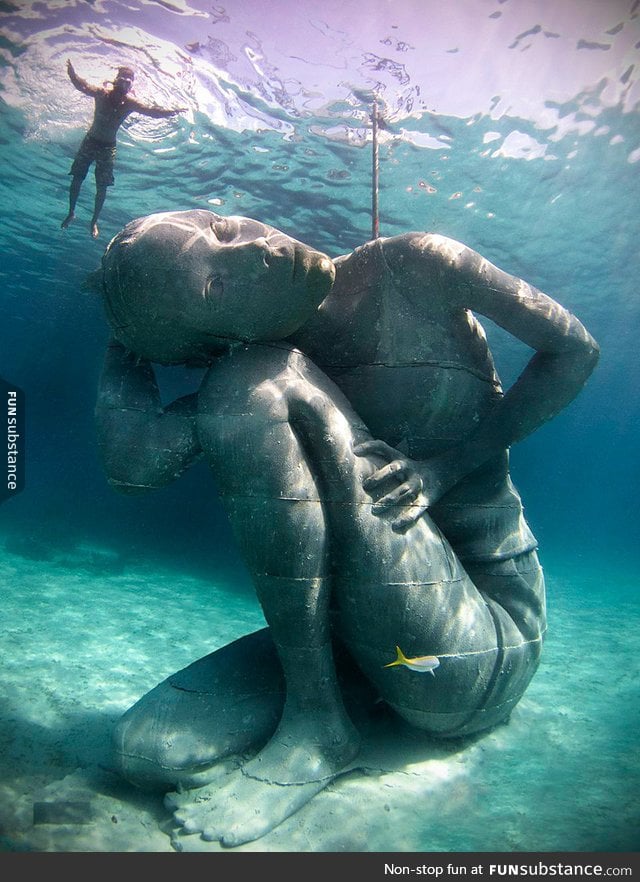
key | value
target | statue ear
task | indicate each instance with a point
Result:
(94, 282)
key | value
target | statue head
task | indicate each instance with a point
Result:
(181, 286)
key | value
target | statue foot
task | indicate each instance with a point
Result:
(242, 810)
(298, 762)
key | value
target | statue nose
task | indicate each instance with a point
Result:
(269, 250)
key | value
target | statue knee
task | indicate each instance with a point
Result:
(220, 706)
(142, 752)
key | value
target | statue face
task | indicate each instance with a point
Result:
(181, 285)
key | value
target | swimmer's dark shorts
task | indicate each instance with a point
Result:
(95, 151)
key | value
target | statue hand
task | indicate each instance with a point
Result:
(400, 484)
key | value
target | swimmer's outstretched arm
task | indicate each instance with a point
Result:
(80, 84)
(143, 445)
(564, 358)
(154, 110)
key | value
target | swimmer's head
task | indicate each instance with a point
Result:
(124, 79)
(181, 286)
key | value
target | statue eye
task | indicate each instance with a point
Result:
(215, 287)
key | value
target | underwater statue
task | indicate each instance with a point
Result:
(358, 436)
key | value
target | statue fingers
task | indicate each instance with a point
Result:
(375, 447)
(395, 472)
(404, 494)
(408, 517)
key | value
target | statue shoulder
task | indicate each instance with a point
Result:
(423, 249)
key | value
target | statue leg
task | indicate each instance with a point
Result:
(279, 437)
(224, 705)
(203, 720)
(410, 590)
(267, 483)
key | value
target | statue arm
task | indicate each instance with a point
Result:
(565, 355)
(142, 444)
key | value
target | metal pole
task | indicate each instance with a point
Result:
(375, 222)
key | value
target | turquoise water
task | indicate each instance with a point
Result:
(515, 131)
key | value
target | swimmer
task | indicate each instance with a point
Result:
(112, 106)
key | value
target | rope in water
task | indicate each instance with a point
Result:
(375, 220)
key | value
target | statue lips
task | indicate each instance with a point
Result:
(314, 267)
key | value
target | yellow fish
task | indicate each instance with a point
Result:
(421, 664)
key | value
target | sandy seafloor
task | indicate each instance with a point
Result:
(84, 635)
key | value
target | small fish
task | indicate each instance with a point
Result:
(421, 664)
